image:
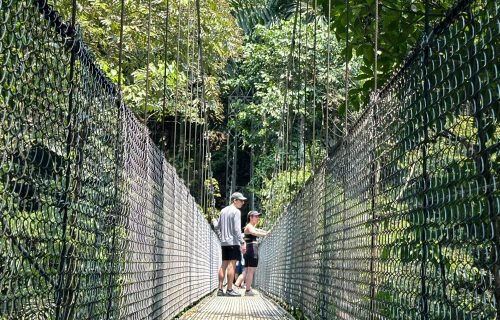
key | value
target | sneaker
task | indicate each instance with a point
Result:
(249, 293)
(232, 293)
(220, 292)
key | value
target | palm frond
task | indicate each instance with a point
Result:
(250, 13)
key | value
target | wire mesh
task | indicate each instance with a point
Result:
(402, 222)
(95, 224)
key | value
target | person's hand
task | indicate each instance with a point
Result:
(243, 248)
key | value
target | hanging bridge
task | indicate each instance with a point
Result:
(400, 222)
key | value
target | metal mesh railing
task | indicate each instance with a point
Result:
(403, 221)
(95, 224)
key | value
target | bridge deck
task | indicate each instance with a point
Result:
(236, 308)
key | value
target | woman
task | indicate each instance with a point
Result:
(252, 253)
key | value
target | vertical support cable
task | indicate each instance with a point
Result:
(147, 161)
(235, 162)
(165, 58)
(203, 129)
(195, 138)
(303, 115)
(315, 40)
(297, 106)
(232, 147)
(286, 109)
(252, 176)
(375, 66)
(186, 135)
(324, 241)
(120, 45)
(203, 154)
(228, 152)
(61, 294)
(346, 75)
(206, 138)
(177, 75)
(323, 269)
(373, 168)
(117, 164)
(346, 149)
(146, 100)
(328, 57)
(425, 178)
(183, 144)
(192, 144)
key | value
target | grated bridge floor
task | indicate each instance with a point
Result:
(213, 307)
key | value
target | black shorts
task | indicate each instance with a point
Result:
(252, 255)
(231, 253)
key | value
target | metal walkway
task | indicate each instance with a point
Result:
(236, 308)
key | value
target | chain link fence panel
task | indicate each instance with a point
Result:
(402, 222)
(95, 224)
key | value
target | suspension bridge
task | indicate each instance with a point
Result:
(400, 222)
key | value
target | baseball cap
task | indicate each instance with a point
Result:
(237, 196)
(254, 213)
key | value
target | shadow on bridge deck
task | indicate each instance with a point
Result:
(236, 308)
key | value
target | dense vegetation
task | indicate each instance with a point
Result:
(304, 84)
(291, 55)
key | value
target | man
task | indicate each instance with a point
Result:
(232, 242)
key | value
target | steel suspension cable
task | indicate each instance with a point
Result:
(199, 147)
(303, 114)
(346, 76)
(186, 137)
(375, 67)
(326, 185)
(328, 93)
(283, 153)
(202, 152)
(297, 107)
(373, 164)
(314, 85)
(346, 150)
(177, 71)
(146, 100)
(62, 291)
(206, 139)
(120, 44)
(424, 302)
(188, 91)
(195, 134)
(200, 86)
(165, 62)
(193, 73)
(117, 155)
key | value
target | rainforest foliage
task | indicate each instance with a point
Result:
(290, 54)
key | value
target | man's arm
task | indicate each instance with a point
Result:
(237, 229)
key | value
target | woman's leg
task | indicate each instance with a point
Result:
(249, 277)
(241, 278)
